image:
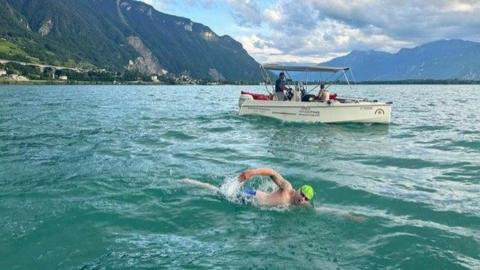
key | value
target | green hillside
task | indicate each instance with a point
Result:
(118, 35)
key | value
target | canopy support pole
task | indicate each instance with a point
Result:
(266, 76)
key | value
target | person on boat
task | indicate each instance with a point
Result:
(323, 94)
(284, 196)
(280, 86)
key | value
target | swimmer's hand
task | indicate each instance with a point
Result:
(244, 176)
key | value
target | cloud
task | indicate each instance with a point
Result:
(312, 30)
(399, 19)
(319, 28)
(159, 4)
(330, 39)
(246, 12)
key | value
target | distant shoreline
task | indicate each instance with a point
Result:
(14, 72)
(406, 82)
(32, 82)
(36, 82)
(426, 82)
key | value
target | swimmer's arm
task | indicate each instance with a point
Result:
(276, 177)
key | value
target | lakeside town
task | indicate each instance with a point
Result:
(18, 72)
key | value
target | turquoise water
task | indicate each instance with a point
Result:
(90, 178)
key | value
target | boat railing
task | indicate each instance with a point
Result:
(354, 100)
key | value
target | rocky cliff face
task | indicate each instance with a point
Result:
(122, 34)
(46, 28)
(146, 63)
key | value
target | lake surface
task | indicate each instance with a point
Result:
(91, 178)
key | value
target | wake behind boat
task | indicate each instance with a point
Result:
(300, 106)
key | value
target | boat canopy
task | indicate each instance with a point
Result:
(305, 68)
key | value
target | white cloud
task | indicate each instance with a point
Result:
(398, 19)
(317, 29)
(312, 30)
(273, 15)
(263, 50)
(160, 5)
(246, 12)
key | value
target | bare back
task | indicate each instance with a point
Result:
(281, 197)
(276, 198)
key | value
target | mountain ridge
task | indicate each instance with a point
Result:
(437, 60)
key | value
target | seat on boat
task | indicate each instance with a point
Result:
(309, 97)
(255, 96)
(258, 96)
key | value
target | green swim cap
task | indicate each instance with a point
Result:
(307, 190)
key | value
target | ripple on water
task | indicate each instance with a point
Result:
(219, 129)
(463, 146)
(467, 145)
(54, 104)
(428, 128)
(407, 163)
(177, 135)
(467, 174)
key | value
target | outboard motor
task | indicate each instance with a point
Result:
(289, 94)
(297, 94)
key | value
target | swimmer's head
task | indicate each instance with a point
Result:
(307, 192)
(304, 195)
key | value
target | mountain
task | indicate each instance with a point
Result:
(438, 60)
(118, 35)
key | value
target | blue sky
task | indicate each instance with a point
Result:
(318, 30)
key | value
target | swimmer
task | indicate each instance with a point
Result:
(283, 197)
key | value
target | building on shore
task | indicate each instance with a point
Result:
(154, 78)
(3, 72)
(63, 78)
(17, 78)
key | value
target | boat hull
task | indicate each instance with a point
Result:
(318, 112)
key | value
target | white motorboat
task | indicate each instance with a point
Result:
(330, 109)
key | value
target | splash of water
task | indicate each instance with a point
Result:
(231, 188)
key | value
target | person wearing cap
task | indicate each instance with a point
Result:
(284, 196)
(280, 87)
